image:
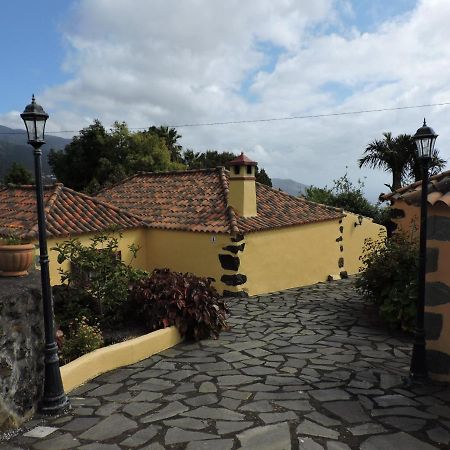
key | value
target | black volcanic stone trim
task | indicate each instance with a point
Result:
(240, 294)
(339, 239)
(341, 229)
(397, 213)
(433, 325)
(343, 274)
(234, 280)
(238, 238)
(234, 248)
(341, 248)
(432, 259)
(341, 262)
(438, 362)
(437, 293)
(229, 262)
(439, 228)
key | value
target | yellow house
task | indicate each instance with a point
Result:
(405, 206)
(251, 239)
(68, 214)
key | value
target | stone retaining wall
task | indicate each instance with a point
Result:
(21, 348)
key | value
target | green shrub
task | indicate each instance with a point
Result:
(389, 278)
(71, 302)
(189, 302)
(81, 339)
(97, 271)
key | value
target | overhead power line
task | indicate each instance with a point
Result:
(271, 119)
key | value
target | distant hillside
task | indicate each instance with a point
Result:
(290, 186)
(14, 148)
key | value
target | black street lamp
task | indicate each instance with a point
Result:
(54, 399)
(425, 139)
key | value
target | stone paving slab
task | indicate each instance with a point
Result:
(307, 368)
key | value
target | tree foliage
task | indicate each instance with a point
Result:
(207, 160)
(399, 156)
(170, 137)
(98, 158)
(213, 158)
(344, 194)
(18, 174)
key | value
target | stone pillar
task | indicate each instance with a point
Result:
(21, 348)
(437, 301)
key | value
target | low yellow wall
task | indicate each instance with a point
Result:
(104, 359)
(288, 257)
(184, 251)
(136, 236)
(354, 238)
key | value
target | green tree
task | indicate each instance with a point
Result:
(170, 137)
(262, 177)
(213, 158)
(18, 174)
(98, 158)
(344, 194)
(207, 160)
(397, 155)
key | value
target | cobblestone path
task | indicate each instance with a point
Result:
(307, 368)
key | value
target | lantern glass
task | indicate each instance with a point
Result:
(35, 118)
(425, 139)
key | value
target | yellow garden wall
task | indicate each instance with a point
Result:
(297, 256)
(288, 257)
(354, 237)
(185, 251)
(129, 237)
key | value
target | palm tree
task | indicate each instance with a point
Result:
(398, 155)
(170, 136)
(390, 154)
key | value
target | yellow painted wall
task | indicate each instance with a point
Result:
(410, 223)
(289, 257)
(354, 237)
(185, 251)
(442, 274)
(136, 236)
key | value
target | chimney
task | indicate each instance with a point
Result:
(242, 196)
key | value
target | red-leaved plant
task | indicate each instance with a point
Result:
(189, 302)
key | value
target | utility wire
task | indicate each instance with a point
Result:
(272, 119)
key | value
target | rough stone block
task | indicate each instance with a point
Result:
(229, 262)
(438, 362)
(21, 349)
(234, 248)
(438, 228)
(234, 280)
(432, 259)
(433, 325)
(437, 293)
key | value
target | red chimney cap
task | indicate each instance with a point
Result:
(242, 160)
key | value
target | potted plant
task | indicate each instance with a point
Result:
(16, 256)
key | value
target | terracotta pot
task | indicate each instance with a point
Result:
(15, 260)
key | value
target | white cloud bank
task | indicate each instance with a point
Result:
(174, 62)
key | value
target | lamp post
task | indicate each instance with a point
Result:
(54, 399)
(425, 138)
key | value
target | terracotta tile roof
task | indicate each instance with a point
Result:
(67, 212)
(196, 200)
(279, 209)
(242, 160)
(438, 191)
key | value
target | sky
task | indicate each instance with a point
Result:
(172, 62)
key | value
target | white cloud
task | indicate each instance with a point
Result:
(174, 62)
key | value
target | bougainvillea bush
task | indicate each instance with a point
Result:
(189, 302)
